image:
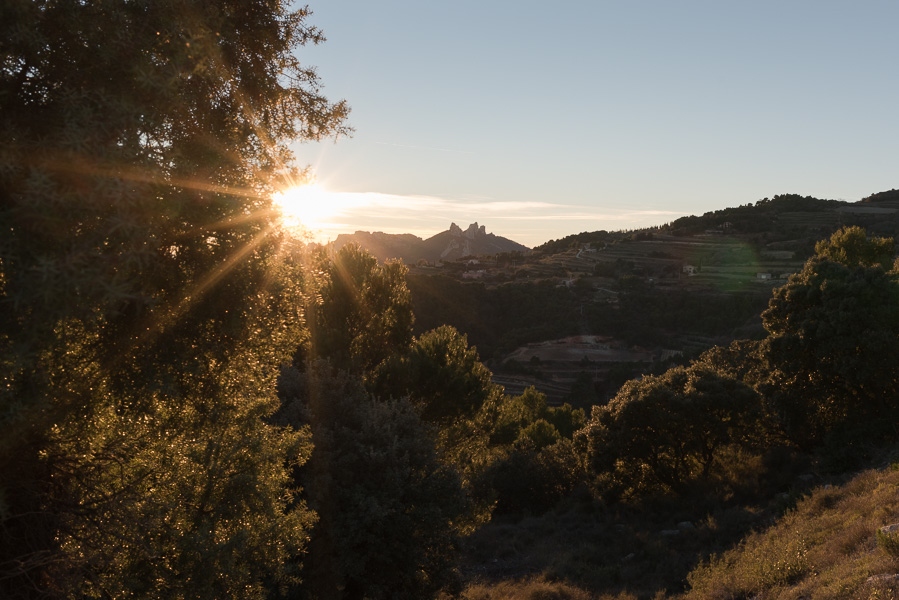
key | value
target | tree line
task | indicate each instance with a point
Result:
(416, 447)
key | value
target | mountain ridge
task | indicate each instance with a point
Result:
(448, 245)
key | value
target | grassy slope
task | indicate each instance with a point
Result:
(824, 548)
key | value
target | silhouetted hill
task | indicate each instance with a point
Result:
(385, 245)
(446, 245)
(800, 220)
(887, 196)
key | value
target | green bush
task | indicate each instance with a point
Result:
(669, 432)
(529, 481)
(888, 539)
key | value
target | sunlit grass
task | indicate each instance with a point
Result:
(824, 549)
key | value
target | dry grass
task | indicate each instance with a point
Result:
(603, 549)
(533, 589)
(822, 546)
(825, 549)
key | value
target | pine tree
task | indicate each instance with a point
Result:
(145, 302)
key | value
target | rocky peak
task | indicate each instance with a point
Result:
(474, 231)
(446, 245)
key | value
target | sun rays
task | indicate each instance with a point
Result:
(314, 211)
(308, 206)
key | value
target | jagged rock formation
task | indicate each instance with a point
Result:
(446, 245)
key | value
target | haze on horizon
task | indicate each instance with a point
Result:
(541, 123)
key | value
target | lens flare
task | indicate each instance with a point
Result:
(308, 207)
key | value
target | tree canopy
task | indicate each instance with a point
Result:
(360, 312)
(441, 374)
(387, 507)
(830, 329)
(665, 432)
(144, 297)
(851, 247)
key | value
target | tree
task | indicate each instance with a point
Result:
(387, 506)
(663, 433)
(531, 480)
(534, 463)
(832, 331)
(442, 375)
(452, 390)
(851, 247)
(519, 417)
(144, 302)
(362, 311)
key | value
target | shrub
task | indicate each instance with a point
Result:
(668, 432)
(888, 539)
(530, 481)
(752, 568)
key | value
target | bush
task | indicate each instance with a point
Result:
(667, 432)
(533, 482)
(888, 539)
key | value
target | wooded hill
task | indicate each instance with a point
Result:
(651, 494)
(652, 295)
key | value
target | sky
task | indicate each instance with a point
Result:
(539, 120)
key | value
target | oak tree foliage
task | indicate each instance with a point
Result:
(666, 432)
(832, 329)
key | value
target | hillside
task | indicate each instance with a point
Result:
(650, 296)
(826, 548)
(787, 222)
(815, 541)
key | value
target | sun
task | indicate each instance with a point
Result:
(309, 207)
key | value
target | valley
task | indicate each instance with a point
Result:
(655, 297)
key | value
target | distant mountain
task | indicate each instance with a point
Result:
(446, 245)
(384, 245)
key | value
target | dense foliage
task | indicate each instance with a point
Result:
(829, 329)
(359, 312)
(386, 505)
(144, 302)
(669, 431)
(441, 374)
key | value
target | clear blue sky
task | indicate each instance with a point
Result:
(545, 119)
